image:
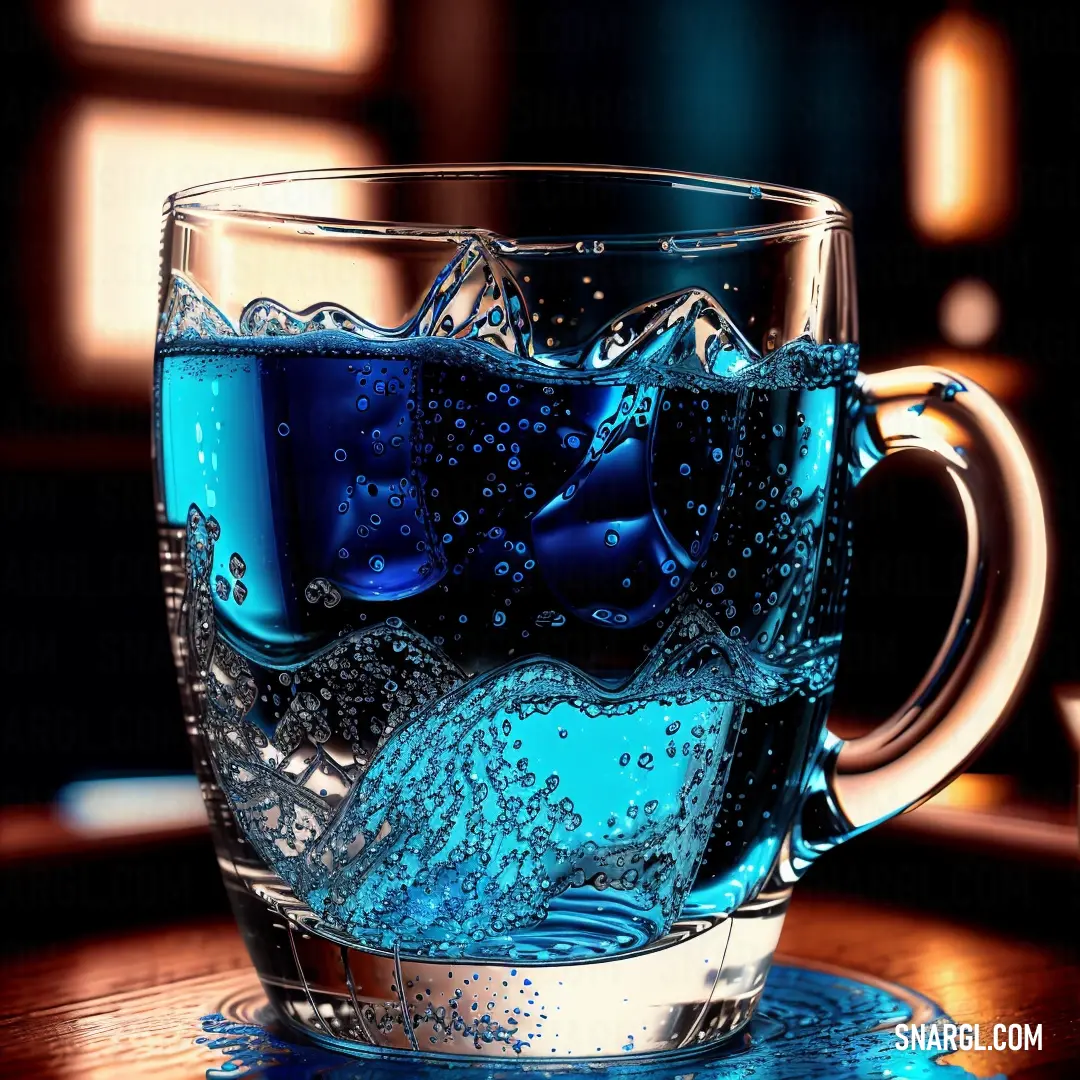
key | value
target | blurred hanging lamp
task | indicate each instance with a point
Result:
(960, 130)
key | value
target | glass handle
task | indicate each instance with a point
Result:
(978, 669)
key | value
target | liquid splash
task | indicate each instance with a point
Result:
(810, 1025)
(489, 804)
(685, 338)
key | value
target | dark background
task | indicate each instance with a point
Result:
(811, 95)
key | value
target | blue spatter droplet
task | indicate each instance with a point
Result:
(461, 518)
(684, 469)
(502, 568)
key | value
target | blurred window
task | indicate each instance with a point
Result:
(341, 38)
(120, 158)
(155, 127)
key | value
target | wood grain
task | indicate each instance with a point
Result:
(128, 1006)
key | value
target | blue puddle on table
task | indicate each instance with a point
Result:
(812, 1024)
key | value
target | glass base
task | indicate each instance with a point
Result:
(693, 989)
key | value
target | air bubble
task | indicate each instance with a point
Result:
(377, 563)
(611, 537)
(283, 429)
(319, 589)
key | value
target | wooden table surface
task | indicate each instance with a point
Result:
(128, 1006)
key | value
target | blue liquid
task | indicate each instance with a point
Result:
(508, 655)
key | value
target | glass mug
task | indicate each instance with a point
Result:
(505, 543)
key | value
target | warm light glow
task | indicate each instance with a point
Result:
(1068, 703)
(1008, 379)
(119, 161)
(960, 154)
(971, 791)
(969, 313)
(336, 37)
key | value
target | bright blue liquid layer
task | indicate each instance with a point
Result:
(506, 661)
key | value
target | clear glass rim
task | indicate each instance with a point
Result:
(824, 209)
